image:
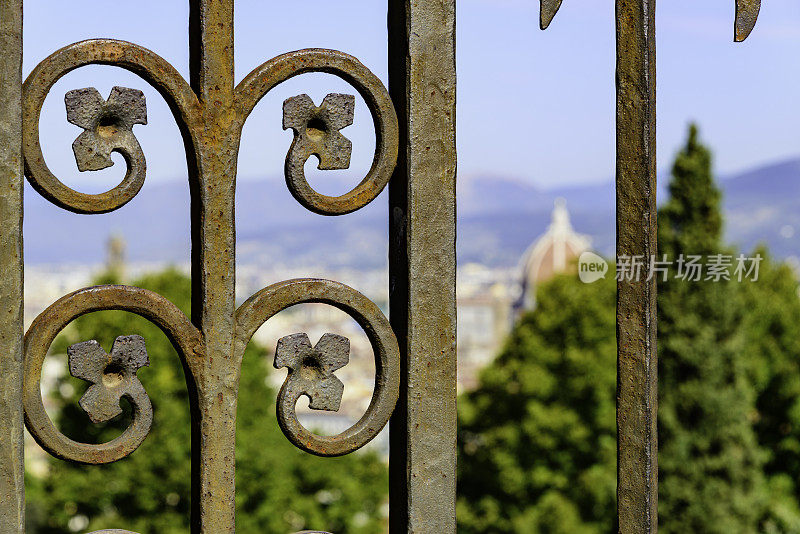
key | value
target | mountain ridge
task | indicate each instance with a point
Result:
(498, 218)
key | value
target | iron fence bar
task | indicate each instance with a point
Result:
(637, 381)
(12, 486)
(213, 175)
(422, 266)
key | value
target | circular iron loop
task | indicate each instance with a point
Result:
(266, 303)
(141, 61)
(153, 307)
(119, 531)
(279, 69)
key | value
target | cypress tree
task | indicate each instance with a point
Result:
(729, 395)
(772, 326)
(710, 464)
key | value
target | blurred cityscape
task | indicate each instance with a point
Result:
(503, 253)
(489, 299)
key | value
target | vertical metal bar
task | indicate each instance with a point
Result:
(213, 265)
(12, 486)
(637, 382)
(422, 80)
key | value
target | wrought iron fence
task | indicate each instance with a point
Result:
(414, 353)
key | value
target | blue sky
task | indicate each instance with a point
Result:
(534, 105)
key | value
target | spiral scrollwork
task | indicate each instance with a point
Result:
(312, 367)
(300, 113)
(107, 123)
(211, 122)
(112, 375)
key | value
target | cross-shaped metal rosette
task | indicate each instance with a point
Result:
(108, 124)
(316, 129)
(311, 368)
(112, 375)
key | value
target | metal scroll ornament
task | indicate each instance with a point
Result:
(211, 127)
(311, 368)
(112, 375)
(316, 132)
(210, 113)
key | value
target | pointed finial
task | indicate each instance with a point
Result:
(746, 16)
(549, 8)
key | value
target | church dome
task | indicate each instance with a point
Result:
(556, 251)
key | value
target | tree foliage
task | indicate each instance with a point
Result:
(710, 463)
(537, 437)
(537, 442)
(772, 350)
(279, 488)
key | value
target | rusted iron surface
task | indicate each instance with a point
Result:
(187, 340)
(422, 80)
(272, 299)
(263, 78)
(547, 11)
(212, 178)
(210, 111)
(637, 446)
(113, 376)
(746, 16)
(153, 69)
(12, 485)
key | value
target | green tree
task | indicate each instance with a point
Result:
(710, 462)
(537, 446)
(536, 438)
(772, 349)
(279, 488)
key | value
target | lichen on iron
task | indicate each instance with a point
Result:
(112, 375)
(311, 369)
(108, 124)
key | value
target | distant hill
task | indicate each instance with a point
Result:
(498, 218)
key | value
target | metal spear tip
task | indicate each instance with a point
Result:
(746, 16)
(549, 8)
